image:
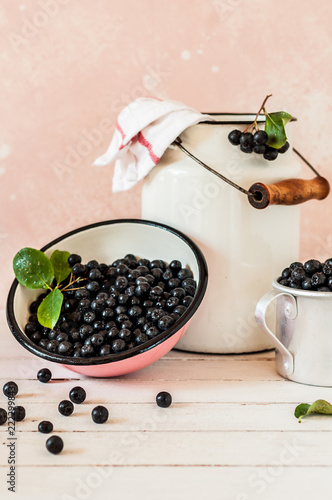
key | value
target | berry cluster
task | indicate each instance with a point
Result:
(121, 306)
(312, 275)
(255, 143)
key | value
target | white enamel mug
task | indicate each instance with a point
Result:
(303, 334)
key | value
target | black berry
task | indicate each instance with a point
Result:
(234, 137)
(284, 148)
(77, 395)
(99, 414)
(18, 413)
(246, 140)
(270, 154)
(54, 445)
(45, 427)
(66, 408)
(3, 416)
(164, 399)
(44, 375)
(10, 389)
(260, 137)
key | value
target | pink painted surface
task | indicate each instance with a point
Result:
(68, 67)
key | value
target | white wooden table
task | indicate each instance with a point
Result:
(230, 433)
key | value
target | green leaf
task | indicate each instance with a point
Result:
(60, 265)
(320, 406)
(33, 269)
(301, 410)
(49, 310)
(275, 128)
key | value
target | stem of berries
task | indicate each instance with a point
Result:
(254, 125)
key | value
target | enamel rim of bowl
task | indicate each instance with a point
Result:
(100, 360)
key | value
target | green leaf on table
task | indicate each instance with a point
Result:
(275, 128)
(60, 264)
(33, 269)
(49, 310)
(320, 406)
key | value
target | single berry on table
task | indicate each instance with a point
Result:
(66, 408)
(54, 445)
(164, 399)
(77, 395)
(3, 416)
(99, 414)
(10, 389)
(18, 413)
(44, 375)
(45, 427)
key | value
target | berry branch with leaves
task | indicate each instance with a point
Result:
(269, 142)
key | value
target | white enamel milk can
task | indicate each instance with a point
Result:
(245, 247)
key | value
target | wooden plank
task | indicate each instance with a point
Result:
(222, 448)
(165, 483)
(203, 369)
(185, 417)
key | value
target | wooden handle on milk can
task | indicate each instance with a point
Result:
(288, 192)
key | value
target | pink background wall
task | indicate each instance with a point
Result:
(68, 67)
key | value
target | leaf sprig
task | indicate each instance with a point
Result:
(320, 406)
(274, 125)
(34, 270)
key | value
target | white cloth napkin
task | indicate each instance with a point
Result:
(144, 130)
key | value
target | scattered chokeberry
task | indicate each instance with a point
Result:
(18, 413)
(77, 395)
(66, 408)
(54, 445)
(44, 375)
(3, 416)
(164, 399)
(99, 414)
(45, 427)
(10, 389)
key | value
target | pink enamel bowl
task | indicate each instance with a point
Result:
(107, 241)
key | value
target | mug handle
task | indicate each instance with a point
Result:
(290, 312)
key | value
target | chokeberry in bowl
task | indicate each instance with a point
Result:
(142, 282)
